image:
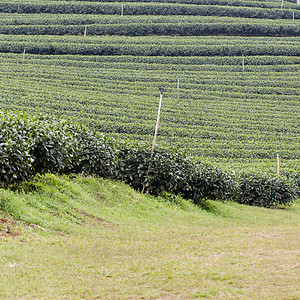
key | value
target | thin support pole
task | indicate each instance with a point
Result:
(177, 86)
(122, 9)
(85, 29)
(243, 63)
(293, 16)
(155, 134)
(24, 54)
(282, 4)
(278, 163)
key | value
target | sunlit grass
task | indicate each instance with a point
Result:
(106, 241)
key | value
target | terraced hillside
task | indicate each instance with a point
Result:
(230, 70)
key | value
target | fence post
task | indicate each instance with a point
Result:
(24, 55)
(155, 134)
(278, 163)
(243, 63)
(177, 86)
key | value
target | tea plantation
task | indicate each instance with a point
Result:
(230, 70)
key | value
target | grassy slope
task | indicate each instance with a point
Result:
(106, 241)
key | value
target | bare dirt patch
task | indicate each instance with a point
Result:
(8, 228)
(95, 221)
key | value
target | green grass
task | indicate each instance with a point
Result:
(106, 241)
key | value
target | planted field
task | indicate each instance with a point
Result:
(230, 70)
(214, 108)
(221, 113)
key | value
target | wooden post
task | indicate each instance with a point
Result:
(282, 4)
(243, 63)
(278, 163)
(155, 134)
(24, 54)
(85, 29)
(157, 121)
(177, 86)
(293, 16)
(122, 9)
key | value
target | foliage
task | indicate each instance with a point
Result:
(222, 113)
(77, 48)
(52, 145)
(96, 154)
(140, 8)
(169, 170)
(294, 177)
(15, 159)
(32, 145)
(263, 190)
(38, 145)
(196, 29)
(209, 182)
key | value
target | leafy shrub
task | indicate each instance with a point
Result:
(53, 146)
(223, 9)
(294, 177)
(37, 145)
(96, 154)
(169, 170)
(15, 159)
(212, 183)
(263, 190)
(195, 29)
(31, 145)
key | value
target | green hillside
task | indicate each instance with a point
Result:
(236, 63)
(86, 238)
(78, 102)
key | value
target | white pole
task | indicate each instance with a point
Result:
(278, 163)
(85, 29)
(122, 9)
(155, 134)
(157, 121)
(243, 63)
(178, 86)
(293, 16)
(24, 54)
(282, 4)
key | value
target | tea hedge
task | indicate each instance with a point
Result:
(53, 48)
(195, 29)
(261, 3)
(31, 145)
(140, 8)
(222, 115)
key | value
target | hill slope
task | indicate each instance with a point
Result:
(97, 238)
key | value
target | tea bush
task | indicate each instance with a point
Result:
(36, 145)
(170, 171)
(96, 154)
(15, 159)
(263, 190)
